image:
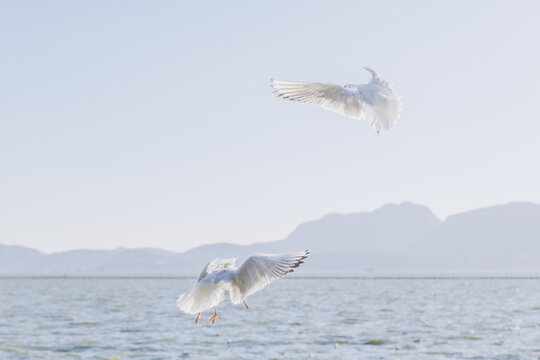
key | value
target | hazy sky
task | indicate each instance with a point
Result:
(152, 124)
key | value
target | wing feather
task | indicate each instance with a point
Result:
(259, 270)
(329, 96)
(217, 265)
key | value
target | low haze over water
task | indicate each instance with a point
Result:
(294, 318)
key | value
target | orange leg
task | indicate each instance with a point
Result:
(246, 305)
(213, 318)
(197, 318)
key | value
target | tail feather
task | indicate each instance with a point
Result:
(205, 295)
(186, 302)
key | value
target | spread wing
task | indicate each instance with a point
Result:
(217, 265)
(329, 96)
(385, 104)
(259, 270)
(375, 102)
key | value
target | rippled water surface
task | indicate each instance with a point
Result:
(293, 318)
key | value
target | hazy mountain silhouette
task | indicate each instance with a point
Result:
(16, 258)
(403, 237)
(501, 238)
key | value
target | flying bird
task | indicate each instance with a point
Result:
(375, 102)
(221, 278)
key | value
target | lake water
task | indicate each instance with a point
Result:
(293, 318)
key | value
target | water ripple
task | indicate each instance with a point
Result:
(329, 318)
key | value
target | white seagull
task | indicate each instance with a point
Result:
(221, 278)
(375, 102)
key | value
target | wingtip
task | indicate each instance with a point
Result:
(370, 70)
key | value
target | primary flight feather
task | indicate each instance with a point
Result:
(375, 102)
(220, 279)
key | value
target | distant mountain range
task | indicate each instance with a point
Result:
(404, 237)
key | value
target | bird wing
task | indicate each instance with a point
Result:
(329, 96)
(384, 113)
(376, 78)
(385, 107)
(217, 265)
(259, 270)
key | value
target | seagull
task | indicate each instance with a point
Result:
(221, 278)
(375, 102)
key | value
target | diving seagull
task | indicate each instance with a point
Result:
(221, 278)
(375, 102)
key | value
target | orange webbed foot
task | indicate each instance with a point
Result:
(213, 318)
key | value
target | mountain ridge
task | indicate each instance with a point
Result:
(394, 237)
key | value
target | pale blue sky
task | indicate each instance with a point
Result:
(152, 123)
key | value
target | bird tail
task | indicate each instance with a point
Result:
(205, 295)
(186, 302)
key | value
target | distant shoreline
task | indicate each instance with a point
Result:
(308, 276)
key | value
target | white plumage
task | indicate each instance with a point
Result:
(220, 279)
(375, 102)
